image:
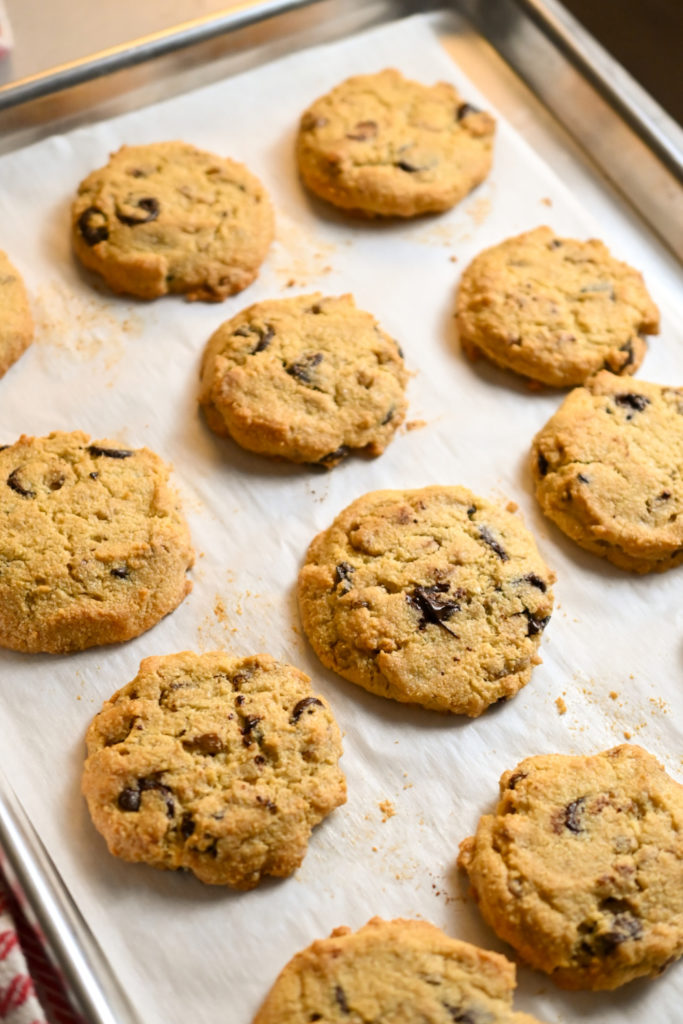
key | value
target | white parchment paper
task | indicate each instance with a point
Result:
(128, 370)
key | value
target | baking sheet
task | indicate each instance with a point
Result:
(128, 370)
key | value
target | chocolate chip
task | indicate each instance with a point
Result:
(14, 485)
(489, 539)
(303, 368)
(154, 784)
(340, 998)
(110, 453)
(187, 826)
(136, 172)
(515, 778)
(301, 707)
(464, 110)
(94, 475)
(584, 479)
(363, 131)
(554, 243)
(148, 210)
(249, 723)
(264, 334)
(572, 815)
(543, 464)
(129, 800)
(628, 348)
(631, 401)
(624, 928)
(332, 458)
(403, 165)
(259, 759)
(535, 625)
(342, 575)
(315, 309)
(120, 574)
(208, 743)
(463, 1016)
(664, 496)
(433, 608)
(389, 416)
(535, 581)
(239, 700)
(93, 232)
(268, 804)
(470, 511)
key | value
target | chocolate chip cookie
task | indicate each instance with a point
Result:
(433, 596)
(384, 145)
(607, 469)
(217, 764)
(395, 971)
(169, 218)
(308, 379)
(16, 323)
(555, 309)
(93, 546)
(580, 868)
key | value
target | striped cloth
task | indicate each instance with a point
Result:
(31, 989)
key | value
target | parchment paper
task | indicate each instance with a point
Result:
(128, 370)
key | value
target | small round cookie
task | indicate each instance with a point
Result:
(580, 868)
(607, 469)
(93, 546)
(398, 971)
(433, 596)
(216, 764)
(169, 218)
(16, 323)
(554, 309)
(384, 145)
(307, 378)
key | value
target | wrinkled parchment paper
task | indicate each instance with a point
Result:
(418, 781)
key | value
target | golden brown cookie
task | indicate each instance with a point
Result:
(308, 379)
(167, 218)
(384, 145)
(607, 469)
(580, 868)
(93, 546)
(217, 764)
(16, 323)
(555, 309)
(401, 972)
(434, 597)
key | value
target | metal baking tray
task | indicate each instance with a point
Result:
(630, 139)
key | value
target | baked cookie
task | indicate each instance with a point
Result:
(307, 378)
(580, 868)
(93, 545)
(16, 323)
(171, 218)
(216, 764)
(398, 971)
(434, 597)
(382, 144)
(607, 469)
(555, 309)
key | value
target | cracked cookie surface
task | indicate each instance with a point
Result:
(581, 866)
(93, 546)
(16, 322)
(433, 596)
(307, 378)
(384, 145)
(168, 217)
(398, 971)
(216, 764)
(555, 309)
(607, 470)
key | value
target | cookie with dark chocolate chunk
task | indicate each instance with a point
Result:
(308, 379)
(16, 322)
(580, 867)
(384, 145)
(433, 596)
(216, 764)
(607, 469)
(167, 218)
(400, 971)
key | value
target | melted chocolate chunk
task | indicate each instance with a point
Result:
(152, 783)
(120, 574)
(92, 225)
(259, 759)
(535, 625)
(489, 539)
(434, 609)
(463, 1016)
(471, 511)
(403, 165)
(389, 416)
(583, 478)
(94, 475)
(363, 131)
(555, 243)
(464, 109)
(340, 999)
(264, 334)
(249, 723)
(624, 928)
(148, 209)
(536, 581)
(57, 482)
(572, 815)
(187, 826)
(302, 369)
(342, 574)
(301, 707)
(109, 453)
(129, 800)
(208, 743)
(14, 485)
(515, 778)
(268, 804)
(332, 458)
(543, 464)
(628, 348)
(631, 401)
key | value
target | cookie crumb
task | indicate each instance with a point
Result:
(627, 735)
(512, 506)
(415, 424)
(546, 201)
(561, 706)
(387, 808)
(613, 694)
(453, 259)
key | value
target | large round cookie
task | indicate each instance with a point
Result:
(216, 764)
(607, 469)
(555, 309)
(580, 868)
(93, 546)
(433, 596)
(383, 144)
(16, 323)
(398, 972)
(306, 378)
(171, 218)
